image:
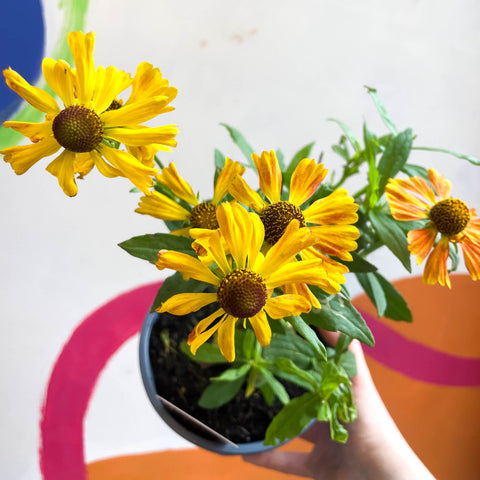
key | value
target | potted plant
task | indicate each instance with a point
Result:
(259, 269)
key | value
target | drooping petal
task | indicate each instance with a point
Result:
(59, 76)
(470, 244)
(185, 303)
(270, 175)
(228, 172)
(226, 337)
(441, 185)
(287, 305)
(139, 174)
(36, 97)
(241, 191)
(34, 131)
(261, 327)
(103, 167)
(211, 241)
(203, 331)
(336, 208)
(421, 241)
(160, 206)
(436, 265)
(404, 205)
(63, 168)
(22, 157)
(187, 265)
(81, 46)
(303, 290)
(306, 178)
(179, 187)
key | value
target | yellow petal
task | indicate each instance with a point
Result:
(202, 331)
(336, 240)
(269, 174)
(212, 243)
(81, 46)
(471, 248)
(185, 303)
(240, 190)
(303, 290)
(287, 305)
(261, 327)
(225, 177)
(109, 83)
(290, 243)
(139, 174)
(336, 208)
(135, 113)
(36, 97)
(440, 184)
(226, 337)
(160, 206)
(187, 265)
(304, 271)
(170, 178)
(22, 157)
(34, 131)
(421, 241)
(164, 135)
(306, 178)
(63, 168)
(103, 167)
(59, 76)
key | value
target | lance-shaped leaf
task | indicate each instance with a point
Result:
(241, 143)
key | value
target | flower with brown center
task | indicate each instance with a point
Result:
(449, 221)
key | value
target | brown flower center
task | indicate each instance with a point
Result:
(450, 216)
(204, 215)
(277, 216)
(242, 293)
(78, 129)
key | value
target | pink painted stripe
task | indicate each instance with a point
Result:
(419, 361)
(75, 374)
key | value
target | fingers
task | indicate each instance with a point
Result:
(294, 463)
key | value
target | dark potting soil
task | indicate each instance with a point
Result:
(182, 381)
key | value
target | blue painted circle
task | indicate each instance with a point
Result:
(22, 32)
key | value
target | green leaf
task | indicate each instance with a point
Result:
(309, 335)
(293, 418)
(469, 158)
(374, 290)
(287, 366)
(241, 143)
(304, 152)
(248, 344)
(349, 134)
(381, 110)
(373, 174)
(394, 158)
(219, 393)
(415, 171)
(206, 353)
(277, 388)
(176, 284)
(338, 314)
(280, 159)
(392, 235)
(147, 246)
(219, 159)
(232, 374)
(292, 346)
(358, 264)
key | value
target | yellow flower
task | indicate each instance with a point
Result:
(201, 214)
(414, 199)
(330, 218)
(90, 119)
(243, 278)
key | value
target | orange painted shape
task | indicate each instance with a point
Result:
(194, 464)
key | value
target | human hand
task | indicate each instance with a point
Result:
(375, 448)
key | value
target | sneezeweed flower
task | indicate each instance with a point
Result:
(330, 218)
(449, 222)
(89, 124)
(198, 214)
(243, 278)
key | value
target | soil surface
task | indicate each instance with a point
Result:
(182, 381)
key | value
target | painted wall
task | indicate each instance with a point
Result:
(275, 70)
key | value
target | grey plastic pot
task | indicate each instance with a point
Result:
(186, 429)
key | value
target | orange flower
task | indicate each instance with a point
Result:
(415, 199)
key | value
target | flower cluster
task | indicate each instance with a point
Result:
(270, 260)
